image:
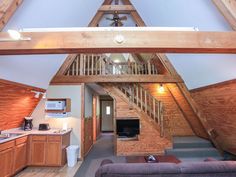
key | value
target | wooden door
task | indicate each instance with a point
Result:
(6, 162)
(107, 116)
(20, 156)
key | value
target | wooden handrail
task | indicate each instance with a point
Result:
(97, 64)
(146, 102)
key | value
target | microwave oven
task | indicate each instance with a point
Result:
(55, 105)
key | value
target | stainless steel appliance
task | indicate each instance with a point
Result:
(44, 126)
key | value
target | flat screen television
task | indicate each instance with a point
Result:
(127, 127)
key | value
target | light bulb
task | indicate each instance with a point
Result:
(161, 89)
(14, 34)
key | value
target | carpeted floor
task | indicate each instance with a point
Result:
(103, 149)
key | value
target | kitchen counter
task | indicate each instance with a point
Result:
(34, 131)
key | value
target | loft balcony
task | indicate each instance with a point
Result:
(91, 68)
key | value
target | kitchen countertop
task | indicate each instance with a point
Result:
(34, 131)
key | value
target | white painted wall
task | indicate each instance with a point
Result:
(196, 70)
(38, 70)
(74, 121)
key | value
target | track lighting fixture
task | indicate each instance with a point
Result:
(37, 94)
(14, 35)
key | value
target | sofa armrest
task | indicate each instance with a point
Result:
(106, 161)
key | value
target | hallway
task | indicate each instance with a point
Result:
(102, 149)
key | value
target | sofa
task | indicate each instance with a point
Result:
(184, 169)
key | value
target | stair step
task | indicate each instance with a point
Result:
(191, 142)
(194, 152)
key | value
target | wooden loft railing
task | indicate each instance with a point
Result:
(146, 102)
(95, 64)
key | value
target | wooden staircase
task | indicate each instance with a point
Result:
(141, 100)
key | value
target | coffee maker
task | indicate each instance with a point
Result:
(28, 125)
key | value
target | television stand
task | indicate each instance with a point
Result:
(127, 138)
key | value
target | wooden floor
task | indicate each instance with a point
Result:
(50, 171)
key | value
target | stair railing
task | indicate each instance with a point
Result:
(146, 102)
(97, 64)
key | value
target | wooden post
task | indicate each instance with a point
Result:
(73, 69)
(77, 65)
(149, 68)
(137, 99)
(145, 99)
(88, 67)
(84, 61)
(92, 64)
(161, 119)
(158, 112)
(141, 96)
(154, 108)
(100, 65)
(150, 106)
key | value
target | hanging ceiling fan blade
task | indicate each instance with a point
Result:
(123, 18)
(120, 23)
(112, 24)
(107, 18)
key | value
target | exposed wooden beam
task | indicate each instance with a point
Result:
(7, 9)
(134, 41)
(114, 78)
(119, 8)
(67, 63)
(228, 10)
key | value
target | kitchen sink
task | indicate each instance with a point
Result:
(9, 135)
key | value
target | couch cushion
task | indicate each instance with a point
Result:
(137, 169)
(208, 167)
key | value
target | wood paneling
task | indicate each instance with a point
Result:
(88, 134)
(218, 102)
(103, 42)
(175, 123)
(17, 101)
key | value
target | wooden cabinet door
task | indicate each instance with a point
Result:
(6, 162)
(53, 153)
(38, 150)
(20, 156)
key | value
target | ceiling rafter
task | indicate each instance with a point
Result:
(228, 10)
(110, 9)
(7, 9)
(134, 41)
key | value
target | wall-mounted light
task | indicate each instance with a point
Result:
(14, 36)
(161, 89)
(37, 94)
